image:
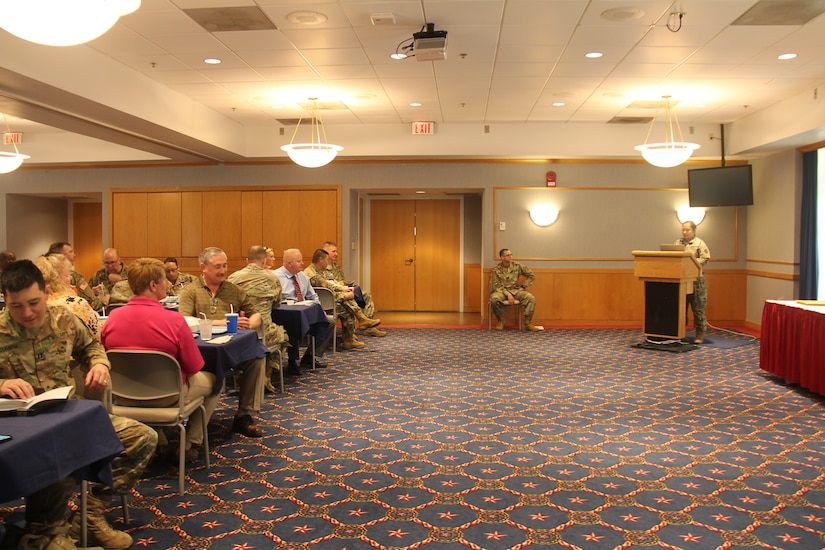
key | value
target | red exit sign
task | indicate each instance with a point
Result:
(423, 128)
(12, 137)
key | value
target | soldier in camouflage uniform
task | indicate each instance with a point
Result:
(697, 301)
(264, 289)
(506, 287)
(335, 273)
(112, 272)
(37, 345)
(177, 279)
(348, 310)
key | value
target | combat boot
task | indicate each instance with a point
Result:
(530, 327)
(268, 387)
(351, 342)
(98, 529)
(375, 332)
(700, 337)
(366, 322)
(499, 324)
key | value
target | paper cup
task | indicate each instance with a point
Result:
(290, 302)
(205, 326)
(231, 323)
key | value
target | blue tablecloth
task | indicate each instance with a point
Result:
(300, 320)
(221, 358)
(72, 438)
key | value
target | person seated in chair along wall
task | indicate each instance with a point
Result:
(506, 288)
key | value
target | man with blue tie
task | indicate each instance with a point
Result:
(295, 285)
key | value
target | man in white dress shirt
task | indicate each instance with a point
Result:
(295, 285)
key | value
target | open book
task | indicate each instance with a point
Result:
(44, 399)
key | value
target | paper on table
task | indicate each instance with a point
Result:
(221, 339)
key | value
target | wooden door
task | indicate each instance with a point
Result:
(415, 254)
(87, 237)
(392, 254)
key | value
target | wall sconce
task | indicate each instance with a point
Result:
(544, 215)
(689, 214)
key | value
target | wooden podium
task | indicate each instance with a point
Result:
(668, 278)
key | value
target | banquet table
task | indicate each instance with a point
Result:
(72, 438)
(793, 343)
(222, 358)
(299, 320)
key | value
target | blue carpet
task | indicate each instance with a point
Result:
(468, 438)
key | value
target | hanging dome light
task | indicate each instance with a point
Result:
(9, 162)
(669, 153)
(62, 22)
(316, 153)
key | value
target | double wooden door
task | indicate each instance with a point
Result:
(415, 254)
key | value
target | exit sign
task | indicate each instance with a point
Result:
(421, 128)
(12, 137)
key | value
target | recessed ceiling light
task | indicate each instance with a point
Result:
(398, 55)
(628, 13)
(420, 192)
(212, 61)
(786, 56)
(277, 106)
(558, 104)
(593, 55)
(415, 104)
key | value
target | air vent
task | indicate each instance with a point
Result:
(246, 18)
(630, 120)
(784, 12)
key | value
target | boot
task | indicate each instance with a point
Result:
(366, 322)
(700, 337)
(268, 387)
(499, 324)
(530, 327)
(375, 332)
(41, 537)
(98, 529)
(351, 342)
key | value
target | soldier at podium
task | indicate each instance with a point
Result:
(699, 299)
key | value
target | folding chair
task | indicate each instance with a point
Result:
(327, 299)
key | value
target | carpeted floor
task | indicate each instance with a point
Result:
(468, 438)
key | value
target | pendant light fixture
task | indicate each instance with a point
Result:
(316, 153)
(9, 162)
(670, 152)
(62, 22)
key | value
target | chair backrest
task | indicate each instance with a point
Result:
(145, 374)
(326, 297)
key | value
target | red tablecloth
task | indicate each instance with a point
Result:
(793, 343)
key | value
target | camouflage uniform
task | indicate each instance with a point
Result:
(264, 289)
(196, 298)
(335, 273)
(183, 280)
(45, 362)
(120, 293)
(347, 309)
(101, 277)
(698, 301)
(505, 281)
(84, 290)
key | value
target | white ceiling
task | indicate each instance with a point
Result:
(508, 61)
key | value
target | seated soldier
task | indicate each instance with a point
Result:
(264, 289)
(345, 304)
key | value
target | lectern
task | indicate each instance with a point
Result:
(668, 278)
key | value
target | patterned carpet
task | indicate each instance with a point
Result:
(469, 438)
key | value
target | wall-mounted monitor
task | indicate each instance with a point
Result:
(721, 186)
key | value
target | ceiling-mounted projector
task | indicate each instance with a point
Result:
(430, 45)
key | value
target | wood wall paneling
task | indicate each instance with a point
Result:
(280, 228)
(221, 224)
(128, 212)
(191, 225)
(163, 219)
(252, 219)
(472, 288)
(319, 218)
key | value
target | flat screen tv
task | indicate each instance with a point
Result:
(721, 186)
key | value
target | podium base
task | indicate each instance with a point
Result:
(675, 346)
